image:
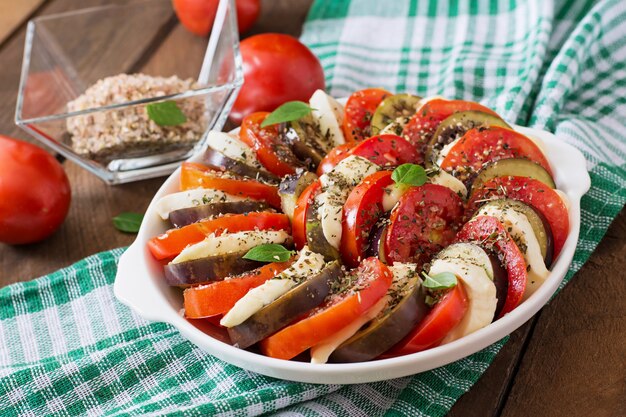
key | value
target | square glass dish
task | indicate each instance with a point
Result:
(74, 100)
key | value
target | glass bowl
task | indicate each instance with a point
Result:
(108, 130)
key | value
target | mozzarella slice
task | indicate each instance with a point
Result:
(481, 294)
(329, 114)
(309, 263)
(521, 231)
(336, 186)
(230, 242)
(469, 253)
(391, 196)
(445, 150)
(233, 148)
(192, 198)
(447, 180)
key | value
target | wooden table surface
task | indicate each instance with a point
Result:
(569, 360)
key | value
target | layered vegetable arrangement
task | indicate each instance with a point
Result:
(384, 228)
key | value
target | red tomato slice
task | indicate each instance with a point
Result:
(172, 242)
(275, 156)
(299, 213)
(444, 316)
(220, 296)
(532, 192)
(332, 158)
(487, 144)
(373, 281)
(425, 221)
(361, 211)
(425, 121)
(358, 112)
(195, 175)
(489, 233)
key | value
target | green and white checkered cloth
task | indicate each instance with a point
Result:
(67, 347)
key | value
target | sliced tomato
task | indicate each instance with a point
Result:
(532, 192)
(195, 175)
(172, 242)
(362, 210)
(424, 221)
(487, 144)
(373, 279)
(275, 155)
(358, 112)
(443, 317)
(425, 121)
(220, 296)
(387, 151)
(298, 222)
(490, 234)
(332, 158)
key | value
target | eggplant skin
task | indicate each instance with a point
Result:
(286, 308)
(218, 160)
(189, 215)
(382, 333)
(206, 270)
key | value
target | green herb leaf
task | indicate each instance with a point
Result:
(292, 110)
(128, 222)
(270, 252)
(441, 281)
(166, 113)
(409, 174)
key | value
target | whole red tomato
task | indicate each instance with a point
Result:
(34, 192)
(198, 15)
(276, 68)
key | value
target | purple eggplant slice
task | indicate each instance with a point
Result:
(185, 216)
(290, 188)
(500, 280)
(205, 270)
(218, 160)
(305, 296)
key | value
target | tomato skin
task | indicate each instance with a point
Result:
(443, 317)
(361, 211)
(197, 16)
(482, 145)
(277, 68)
(35, 193)
(298, 223)
(358, 112)
(425, 121)
(332, 158)
(425, 220)
(489, 233)
(532, 192)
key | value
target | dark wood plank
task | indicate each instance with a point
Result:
(575, 364)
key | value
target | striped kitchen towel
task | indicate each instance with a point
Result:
(67, 347)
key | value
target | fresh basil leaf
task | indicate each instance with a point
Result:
(409, 174)
(292, 110)
(166, 113)
(128, 222)
(441, 281)
(270, 252)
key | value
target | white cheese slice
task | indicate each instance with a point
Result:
(469, 253)
(233, 148)
(336, 186)
(308, 264)
(329, 114)
(230, 242)
(391, 195)
(322, 351)
(481, 294)
(447, 180)
(445, 150)
(521, 231)
(192, 198)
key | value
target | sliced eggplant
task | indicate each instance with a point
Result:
(396, 110)
(315, 238)
(407, 308)
(185, 216)
(538, 222)
(218, 160)
(305, 296)
(517, 167)
(306, 140)
(455, 127)
(501, 281)
(377, 240)
(205, 270)
(291, 187)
